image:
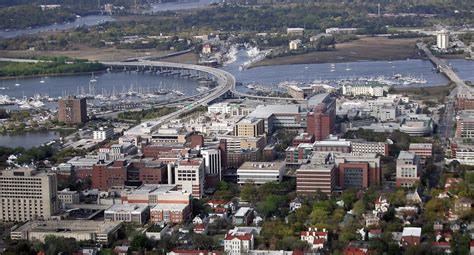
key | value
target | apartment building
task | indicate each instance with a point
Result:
(249, 127)
(72, 110)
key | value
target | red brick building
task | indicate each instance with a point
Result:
(358, 171)
(72, 110)
(105, 176)
(320, 121)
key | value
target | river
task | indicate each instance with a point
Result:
(30, 139)
(269, 76)
(106, 83)
(91, 20)
(180, 5)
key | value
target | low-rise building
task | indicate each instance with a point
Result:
(236, 243)
(294, 44)
(243, 216)
(128, 213)
(260, 172)
(174, 213)
(67, 196)
(103, 133)
(81, 230)
(422, 150)
(410, 236)
(316, 239)
(364, 147)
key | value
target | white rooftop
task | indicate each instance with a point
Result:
(242, 211)
(411, 231)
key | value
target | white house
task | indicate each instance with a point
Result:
(316, 239)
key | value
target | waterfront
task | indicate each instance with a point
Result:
(106, 83)
(91, 20)
(270, 76)
(29, 139)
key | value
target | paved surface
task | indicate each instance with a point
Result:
(225, 83)
(447, 121)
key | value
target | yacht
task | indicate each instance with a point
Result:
(348, 68)
(17, 83)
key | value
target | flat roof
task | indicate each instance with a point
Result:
(317, 99)
(317, 167)
(420, 146)
(69, 225)
(265, 111)
(406, 155)
(169, 207)
(411, 231)
(135, 208)
(261, 165)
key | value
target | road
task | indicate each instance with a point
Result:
(225, 82)
(446, 123)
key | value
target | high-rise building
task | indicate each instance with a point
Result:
(26, 194)
(465, 124)
(72, 110)
(212, 162)
(358, 171)
(408, 169)
(320, 121)
(189, 176)
(442, 39)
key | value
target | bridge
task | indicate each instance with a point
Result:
(443, 67)
(224, 80)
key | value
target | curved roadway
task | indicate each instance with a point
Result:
(225, 82)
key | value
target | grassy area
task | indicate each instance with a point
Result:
(367, 48)
(437, 93)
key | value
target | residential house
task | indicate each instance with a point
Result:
(411, 236)
(316, 239)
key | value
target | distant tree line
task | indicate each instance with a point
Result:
(58, 65)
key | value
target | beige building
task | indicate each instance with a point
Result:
(26, 194)
(249, 127)
(81, 230)
(294, 44)
(260, 172)
(189, 176)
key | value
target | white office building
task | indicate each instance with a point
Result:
(103, 133)
(212, 161)
(442, 39)
(260, 172)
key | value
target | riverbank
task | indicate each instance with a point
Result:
(437, 93)
(51, 75)
(364, 49)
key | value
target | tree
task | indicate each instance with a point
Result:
(141, 242)
(271, 205)
(54, 245)
(203, 242)
(249, 192)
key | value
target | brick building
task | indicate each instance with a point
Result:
(72, 110)
(320, 120)
(105, 176)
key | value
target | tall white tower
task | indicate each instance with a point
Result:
(442, 39)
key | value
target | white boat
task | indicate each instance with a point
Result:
(42, 80)
(93, 78)
(348, 68)
(17, 83)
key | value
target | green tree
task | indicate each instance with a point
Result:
(249, 192)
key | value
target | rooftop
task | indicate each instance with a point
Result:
(406, 155)
(261, 165)
(265, 111)
(169, 207)
(69, 225)
(411, 231)
(242, 211)
(127, 208)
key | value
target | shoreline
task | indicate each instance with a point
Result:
(363, 49)
(50, 75)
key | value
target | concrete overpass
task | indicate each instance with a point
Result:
(225, 83)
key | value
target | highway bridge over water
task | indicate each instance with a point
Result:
(225, 83)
